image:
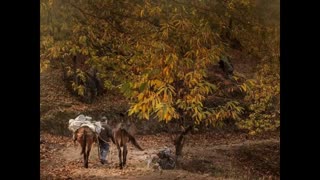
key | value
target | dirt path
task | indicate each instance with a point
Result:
(206, 159)
(245, 143)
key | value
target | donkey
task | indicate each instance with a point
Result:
(121, 137)
(85, 137)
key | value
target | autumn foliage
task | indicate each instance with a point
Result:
(157, 53)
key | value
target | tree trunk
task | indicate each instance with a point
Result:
(63, 68)
(180, 140)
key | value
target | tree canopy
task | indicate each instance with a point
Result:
(157, 53)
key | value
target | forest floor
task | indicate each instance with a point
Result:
(211, 155)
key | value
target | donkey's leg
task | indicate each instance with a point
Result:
(89, 145)
(125, 152)
(85, 164)
(120, 157)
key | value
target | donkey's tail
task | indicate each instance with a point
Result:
(84, 142)
(132, 139)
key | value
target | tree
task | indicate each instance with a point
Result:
(157, 52)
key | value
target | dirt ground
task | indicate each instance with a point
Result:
(206, 156)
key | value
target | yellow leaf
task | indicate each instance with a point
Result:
(146, 116)
(244, 88)
(217, 115)
(158, 83)
(140, 96)
(143, 108)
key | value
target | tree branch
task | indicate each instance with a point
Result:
(107, 19)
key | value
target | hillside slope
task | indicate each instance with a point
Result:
(57, 105)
